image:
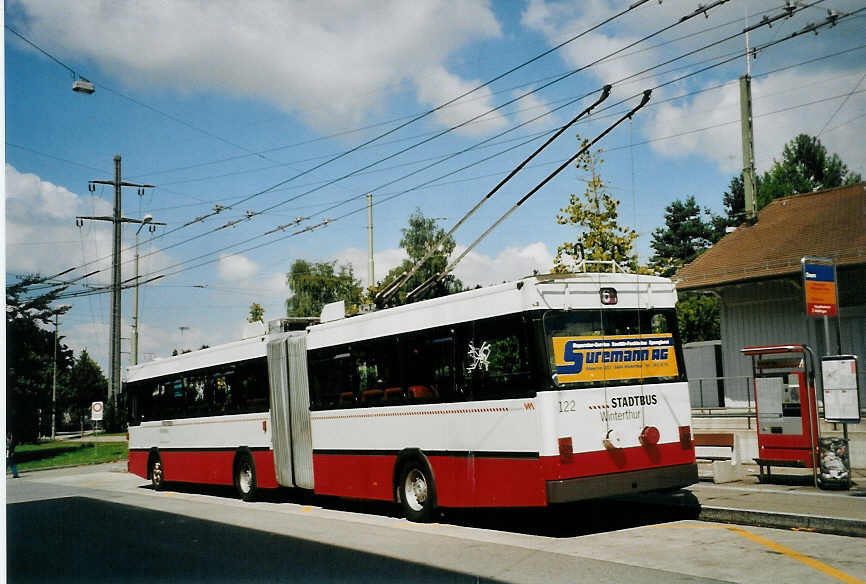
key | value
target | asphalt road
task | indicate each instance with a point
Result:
(98, 525)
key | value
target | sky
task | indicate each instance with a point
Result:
(286, 114)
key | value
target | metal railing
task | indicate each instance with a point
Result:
(720, 397)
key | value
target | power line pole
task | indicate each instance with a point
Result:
(748, 138)
(117, 219)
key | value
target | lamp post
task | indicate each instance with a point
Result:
(54, 382)
(147, 220)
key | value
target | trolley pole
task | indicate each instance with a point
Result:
(117, 219)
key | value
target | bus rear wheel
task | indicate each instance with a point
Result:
(417, 491)
(245, 476)
(157, 473)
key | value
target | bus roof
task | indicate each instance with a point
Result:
(551, 291)
(227, 353)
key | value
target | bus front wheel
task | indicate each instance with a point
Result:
(245, 476)
(417, 491)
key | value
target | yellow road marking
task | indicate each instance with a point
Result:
(811, 562)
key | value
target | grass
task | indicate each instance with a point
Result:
(61, 453)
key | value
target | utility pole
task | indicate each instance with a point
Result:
(117, 219)
(748, 139)
(54, 382)
(371, 279)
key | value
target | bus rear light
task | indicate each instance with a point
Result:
(686, 436)
(566, 450)
(649, 436)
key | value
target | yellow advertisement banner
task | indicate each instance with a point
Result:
(582, 359)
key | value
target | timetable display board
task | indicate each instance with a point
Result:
(819, 287)
(840, 380)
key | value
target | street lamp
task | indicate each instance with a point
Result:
(57, 312)
(146, 220)
(82, 85)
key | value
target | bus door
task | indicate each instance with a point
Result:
(290, 410)
(784, 383)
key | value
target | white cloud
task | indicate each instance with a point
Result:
(383, 262)
(274, 285)
(532, 106)
(329, 60)
(722, 145)
(510, 264)
(41, 236)
(558, 21)
(233, 267)
(437, 85)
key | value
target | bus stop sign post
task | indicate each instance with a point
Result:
(821, 296)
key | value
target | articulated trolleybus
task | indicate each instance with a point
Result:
(541, 391)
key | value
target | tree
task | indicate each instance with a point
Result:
(600, 237)
(87, 384)
(257, 313)
(314, 284)
(684, 236)
(805, 167)
(30, 357)
(698, 317)
(734, 202)
(422, 234)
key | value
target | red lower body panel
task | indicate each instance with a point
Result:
(485, 481)
(461, 481)
(584, 464)
(211, 467)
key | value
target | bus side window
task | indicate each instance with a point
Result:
(378, 370)
(496, 359)
(429, 366)
(332, 379)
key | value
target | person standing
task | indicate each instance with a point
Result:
(10, 455)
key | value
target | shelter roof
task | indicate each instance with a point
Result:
(830, 223)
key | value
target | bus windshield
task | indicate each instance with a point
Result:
(603, 347)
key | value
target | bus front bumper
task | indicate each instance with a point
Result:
(624, 483)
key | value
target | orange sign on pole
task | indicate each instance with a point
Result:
(819, 285)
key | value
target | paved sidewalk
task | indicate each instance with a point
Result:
(789, 502)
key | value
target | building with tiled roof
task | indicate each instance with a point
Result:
(755, 271)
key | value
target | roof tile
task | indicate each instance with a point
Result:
(829, 223)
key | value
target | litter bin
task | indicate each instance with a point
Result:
(835, 470)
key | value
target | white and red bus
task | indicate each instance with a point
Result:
(545, 390)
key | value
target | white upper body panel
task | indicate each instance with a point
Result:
(557, 291)
(572, 291)
(255, 347)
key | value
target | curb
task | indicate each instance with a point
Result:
(40, 469)
(817, 523)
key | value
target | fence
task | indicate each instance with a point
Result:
(733, 396)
